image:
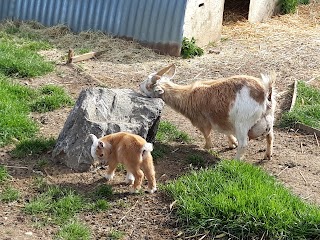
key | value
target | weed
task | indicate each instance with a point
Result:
(32, 147)
(196, 160)
(9, 194)
(74, 231)
(168, 132)
(4, 175)
(104, 191)
(189, 48)
(114, 234)
(159, 152)
(101, 205)
(243, 201)
(41, 163)
(288, 6)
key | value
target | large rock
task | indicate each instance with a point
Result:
(103, 111)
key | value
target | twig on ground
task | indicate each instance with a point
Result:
(16, 167)
(315, 136)
(125, 215)
(301, 147)
(282, 171)
(306, 183)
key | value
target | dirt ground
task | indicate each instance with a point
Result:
(288, 44)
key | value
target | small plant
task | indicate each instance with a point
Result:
(189, 48)
(196, 160)
(74, 231)
(115, 235)
(288, 6)
(159, 152)
(41, 163)
(4, 175)
(51, 98)
(9, 194)
(31, 147)
(101, 205)
(168, 132)
(104, 191)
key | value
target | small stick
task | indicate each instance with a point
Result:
(315, 136)
(294, 95)
(301, 147)
(282, 171)
(303, 178)
(197, 235)
(16, 167)
(128, 212)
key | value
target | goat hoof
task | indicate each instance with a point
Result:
(152, 190)
(108, 177)
(133, 190)
(267, 157)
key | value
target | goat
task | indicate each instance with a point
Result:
(132, 151)
(240, 105)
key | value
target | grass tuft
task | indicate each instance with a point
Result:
(4, 175)
(51, 98)
(9, 194)
(167, 132)
(306, 109)
(74, 231)
(243, 201)
(31, 147)
(103, 191)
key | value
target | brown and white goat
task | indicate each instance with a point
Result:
(239, 105)
(132, 151)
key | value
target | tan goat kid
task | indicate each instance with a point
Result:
(132, 151)
(241, 106)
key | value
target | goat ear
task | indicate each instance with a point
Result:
(155, 78)
(165, 70)
(170, 72)
(158, 90)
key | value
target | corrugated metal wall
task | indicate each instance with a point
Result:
(155, 23)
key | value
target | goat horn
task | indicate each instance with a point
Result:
(155, 78)
(162, 71)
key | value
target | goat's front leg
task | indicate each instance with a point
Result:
(111, 169)
(269, 151)
(232, 141)
(206, 133)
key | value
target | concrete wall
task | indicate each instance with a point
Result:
(261, 10)
(203, 20)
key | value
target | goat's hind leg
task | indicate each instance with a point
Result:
(232, 141)
(148, 169)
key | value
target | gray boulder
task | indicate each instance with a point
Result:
(104, 111)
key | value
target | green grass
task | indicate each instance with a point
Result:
(14, 110)
(114, 235)
(4, 175)
(74, 231)
(167, 132)
(306, 109)
(9, 194)
(16, 102)
(50, 98)
(103, 191)
(32, 147)
(243, 201)
(20, 59)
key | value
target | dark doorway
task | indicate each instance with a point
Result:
(235, 10)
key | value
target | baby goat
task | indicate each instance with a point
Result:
(132, 151)
(239, 105)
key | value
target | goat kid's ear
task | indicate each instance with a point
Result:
(168, 72)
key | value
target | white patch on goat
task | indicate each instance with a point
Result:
(109, 176)
(94, 146)
(129, 178)
(244, 113)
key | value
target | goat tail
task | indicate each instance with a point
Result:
(268, 81)
(147, 147)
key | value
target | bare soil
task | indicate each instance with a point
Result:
(287, 44)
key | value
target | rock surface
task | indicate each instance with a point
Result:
(103, 111)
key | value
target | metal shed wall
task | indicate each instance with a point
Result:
(155, 23)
